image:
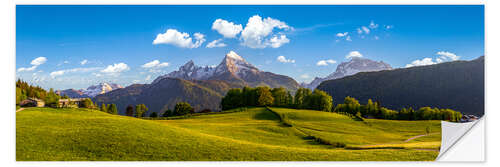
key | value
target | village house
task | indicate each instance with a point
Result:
(32, 102)
(468, 118)
(75, 103)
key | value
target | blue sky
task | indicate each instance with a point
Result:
(76, 46)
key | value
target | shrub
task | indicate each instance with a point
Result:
(183, 108)
(168, 113)
(140, 110)
(153, 115)
(129, 111)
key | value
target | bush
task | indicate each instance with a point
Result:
(205, 111)
(168, 113)
(129, 111)
(140, 110)
(153, 115)
(183, 108)
(87, 103)
(112, 109)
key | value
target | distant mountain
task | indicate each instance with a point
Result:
(163, 95)
(355, 65)
(233, 69)
(101, 88)
(202, 87)
(91, 91)
(457, 85)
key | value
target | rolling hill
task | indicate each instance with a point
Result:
(457, 85)
(254, 134)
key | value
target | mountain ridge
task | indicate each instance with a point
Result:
(355, 65)
(458, 85)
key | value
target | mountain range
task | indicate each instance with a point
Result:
(458, 85)
(202, 87)
(91, 91)
(354, 66)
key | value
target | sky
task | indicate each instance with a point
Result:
(65, 47)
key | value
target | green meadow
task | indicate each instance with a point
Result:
(255, 134)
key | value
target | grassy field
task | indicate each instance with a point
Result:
(255, 134)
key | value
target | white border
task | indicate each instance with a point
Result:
(7, 66)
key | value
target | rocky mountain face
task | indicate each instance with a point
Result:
(234, 69)
(457, 85)
(101, 88)
(91, 91)
(202, 87)
(354, 66)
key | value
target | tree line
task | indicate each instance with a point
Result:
(375, 110)
(277, 97)
(25, 91)
(139, 111)
(319, 100)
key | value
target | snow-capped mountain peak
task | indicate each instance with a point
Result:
(232, 63)
(355, 65)
(100, 88)
(235, 56)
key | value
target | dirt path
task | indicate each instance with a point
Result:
(407, 140)
(414, 137)
(20, 109)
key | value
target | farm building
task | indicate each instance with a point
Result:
(32, 102)
(71, 102)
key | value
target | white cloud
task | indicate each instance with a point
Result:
(35, 63)
(353, 54)
(56, 73)
(284, 60)
(38, 61)
(304, 76)
(376, 38)
(325, 62)
(73, 70)
(342, 34)
(446, 56)
(373, 25)
(389, 27)
(277, 42)
(155, 64)
(147, 78)
(348, 38)
(27, 69)
(330, 61)
(115, 69)
(179, 39)
(443, 57)
(257, 29)
(83, 62)
(226, 29)
(216, 44)
(423, 62)
(365, 30)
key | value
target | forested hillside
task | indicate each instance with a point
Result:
(457, 85)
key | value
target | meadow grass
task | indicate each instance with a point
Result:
(342, 129)
(254, 135)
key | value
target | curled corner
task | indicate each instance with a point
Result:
(452, 133)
